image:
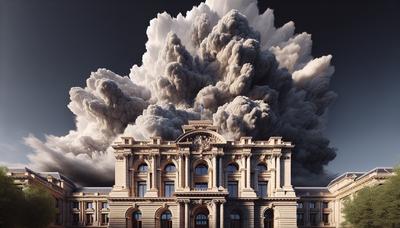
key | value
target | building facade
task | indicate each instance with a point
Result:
(201, 180)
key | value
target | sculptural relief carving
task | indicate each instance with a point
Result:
(201, 143)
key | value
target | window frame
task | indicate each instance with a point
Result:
(141, 169)
(89, 221)
(89, 203)
(298, 220)
(314, 221)
(105, 220)
(202, 220)
(168, 170)
(171, 191)
(141, 188)
(264, 169)
(201, 185)
(325, 218)
(263, 194)
(232, 171)
(168, 215)
(235, 193)
(201, 170)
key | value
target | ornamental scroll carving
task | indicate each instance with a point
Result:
(202, 143)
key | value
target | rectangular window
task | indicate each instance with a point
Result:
(58, 219)
(325, 204)
(300, 219)
(325, 217)
(312, 205)
(89, 219)
(201, 186)
(89, 205)
(104, 219)
(75, 205)
(169, 188)
(104, 205)
(233, 188)
(142, 188)
(262, 189)
(75, 219)
(300, 205)
(313, 219)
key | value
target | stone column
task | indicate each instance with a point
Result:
(179, 174)
(186, 213)
(148, 180)
(214, 164)
(121, 187)
(273, 176)
(179, 202)
(154, 171)
(132, 186)
(214, 203)
(288, 179)
(187, 171)
(248, 169)
(221, 214)
(278, 171)
(243, 173)
(220, 171)
(255, 179)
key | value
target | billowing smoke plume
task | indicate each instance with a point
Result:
(223, 61)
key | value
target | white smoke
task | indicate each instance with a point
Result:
(223, 61)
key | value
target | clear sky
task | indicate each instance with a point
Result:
(47, 47)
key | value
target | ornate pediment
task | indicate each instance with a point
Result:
(201, 140)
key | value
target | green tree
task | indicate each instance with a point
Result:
(39, 209)
(31, 207)
(377, 206)
(11, 200)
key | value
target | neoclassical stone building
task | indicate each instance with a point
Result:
(201, 180)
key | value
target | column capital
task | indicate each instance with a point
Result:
(184, 151)
(121, 155)
(221, 201)
(215, 201)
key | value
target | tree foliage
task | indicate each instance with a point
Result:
(24, 208)
(377, 206)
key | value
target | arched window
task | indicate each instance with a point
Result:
(166, 219)
(143, 168)
(201, 220)
(170, 168)
(137, 219)
(269, 218)
(232, 168)
(235, 220)
(201, 170)
(262, 167)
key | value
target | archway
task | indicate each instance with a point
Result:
(137, 219)
(269, 218)
(166, 219)
(200, 217)
(133, 218)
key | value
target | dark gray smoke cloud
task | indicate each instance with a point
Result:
(223, 61)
